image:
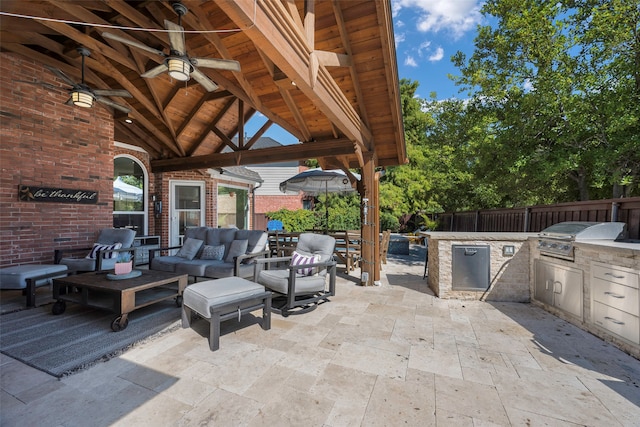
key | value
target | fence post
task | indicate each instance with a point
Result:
(614, 211)
(477, 220)
(527, 212)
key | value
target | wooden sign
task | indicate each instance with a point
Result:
(57, 195)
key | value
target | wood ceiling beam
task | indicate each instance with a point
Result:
(258, 134)
(277, 35)
(211, 126)
(197, 19)
(82, 38)
(209, 96)
(254, 157)
(346, 44)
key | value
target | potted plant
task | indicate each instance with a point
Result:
(124, 263)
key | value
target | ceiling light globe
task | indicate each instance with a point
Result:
(82, 99)
(179, 69)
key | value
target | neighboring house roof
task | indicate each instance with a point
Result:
(242, 173)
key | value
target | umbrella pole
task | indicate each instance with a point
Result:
(326, 209)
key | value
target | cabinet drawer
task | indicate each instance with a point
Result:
(616, 321)
(617, 296)
(620, 275)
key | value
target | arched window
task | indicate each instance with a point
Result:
(129, 195)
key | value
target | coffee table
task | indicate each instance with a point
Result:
(122, 297)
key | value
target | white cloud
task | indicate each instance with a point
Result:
(424, 46)
(437, 55)
(528, 86)
(410, 61)
(399, 38)
(456, 16)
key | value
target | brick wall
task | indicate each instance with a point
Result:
(47, 143)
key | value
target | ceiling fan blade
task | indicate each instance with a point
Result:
(112, 92)
(133, 43)
(204, 81)
(176, 37)
(61, 75)
(220, 64)
(112, 104)
(155, 71)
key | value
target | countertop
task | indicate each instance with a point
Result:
(462, 235)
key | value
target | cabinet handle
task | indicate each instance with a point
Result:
(614, 295)
(611, 319)
(613, 275)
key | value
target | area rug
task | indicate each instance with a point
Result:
(80, 337)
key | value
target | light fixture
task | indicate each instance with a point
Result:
(179, 69)
(128, 121)
(82, 98)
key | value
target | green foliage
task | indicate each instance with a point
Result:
(294, 221)
(343, 210)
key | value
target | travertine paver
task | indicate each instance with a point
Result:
(388, 355)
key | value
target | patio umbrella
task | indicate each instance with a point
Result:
(317, 181)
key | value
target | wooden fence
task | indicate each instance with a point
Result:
(533, 219)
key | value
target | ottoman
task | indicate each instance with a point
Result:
(29, 276)
(223, 299)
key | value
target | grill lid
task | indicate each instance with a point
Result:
(576, 230)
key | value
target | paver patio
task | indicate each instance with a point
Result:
(389, 355)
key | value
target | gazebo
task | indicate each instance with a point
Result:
(325, 71)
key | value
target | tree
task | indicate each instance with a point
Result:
(558, 85)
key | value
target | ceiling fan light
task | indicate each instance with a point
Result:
(82, 99)
(179, 69)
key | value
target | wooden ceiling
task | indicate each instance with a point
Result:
(323, 70)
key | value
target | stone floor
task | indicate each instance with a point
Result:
(388, 355)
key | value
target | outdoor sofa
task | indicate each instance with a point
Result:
(213, 253)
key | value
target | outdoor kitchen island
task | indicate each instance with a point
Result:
(486, 265)
(598, 290)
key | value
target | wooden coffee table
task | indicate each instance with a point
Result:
(119, 296)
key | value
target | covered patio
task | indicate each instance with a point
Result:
(389, 355)
(325, 71)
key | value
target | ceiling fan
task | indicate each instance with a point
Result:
(83, 95)
(179, 65)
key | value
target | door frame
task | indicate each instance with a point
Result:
(175, 238)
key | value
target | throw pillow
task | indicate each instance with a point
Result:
(213, 252)
(237, 248)
(190, 248)
(100, 247)
(299, 259)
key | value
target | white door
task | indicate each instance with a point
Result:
(187, 208)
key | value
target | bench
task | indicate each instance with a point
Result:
(30, 276)
(224, 299)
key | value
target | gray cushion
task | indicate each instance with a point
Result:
(189, 248)
(201, 296)
(258, 239)
(212, 252)
(193, 267)
(226, 269)
(109, 236)
(15, 277)
(278, 281)
(237, 248)
(165, 263)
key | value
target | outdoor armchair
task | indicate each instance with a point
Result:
(102, 255)
(299, 281)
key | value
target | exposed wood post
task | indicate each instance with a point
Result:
(377, 230)
(370, 226)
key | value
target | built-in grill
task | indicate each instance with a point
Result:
(557, 241)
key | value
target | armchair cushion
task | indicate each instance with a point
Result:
(190, 248)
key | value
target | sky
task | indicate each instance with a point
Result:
(427, 34)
